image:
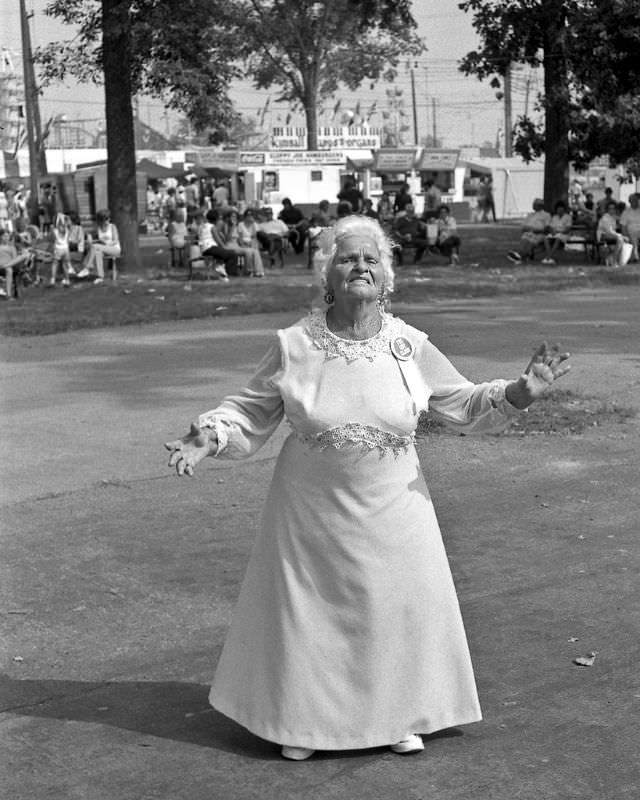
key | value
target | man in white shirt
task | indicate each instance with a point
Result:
(272, 234)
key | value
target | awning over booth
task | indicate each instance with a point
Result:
(393, 160)
(156, 171)
(358, 164)
(475, 167)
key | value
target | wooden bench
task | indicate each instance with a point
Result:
(584, 237)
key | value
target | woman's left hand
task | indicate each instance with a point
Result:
(545, 367)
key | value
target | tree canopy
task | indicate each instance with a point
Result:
(591, 99)
(308, 49)
(176, 53)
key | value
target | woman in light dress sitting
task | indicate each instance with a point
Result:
(242, 236)
(105, 244)
(559, 232)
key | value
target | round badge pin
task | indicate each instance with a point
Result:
(402, 348)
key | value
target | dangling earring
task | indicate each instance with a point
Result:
(329, 297)
(380, 301)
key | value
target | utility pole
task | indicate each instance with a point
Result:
(30, 101)
(415, 112)
(508, 125)
(433, 121)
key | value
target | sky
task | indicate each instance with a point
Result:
(466, 110)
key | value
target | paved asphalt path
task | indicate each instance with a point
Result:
(118, 580)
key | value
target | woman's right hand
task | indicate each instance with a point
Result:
(188, 452)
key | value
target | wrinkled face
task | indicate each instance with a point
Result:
(356, 272)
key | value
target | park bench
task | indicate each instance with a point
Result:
(583, 237)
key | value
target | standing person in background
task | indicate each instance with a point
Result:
(60, 237)
(177, 233)
(402, 199)
(603, 203)
(448, 241)
(489, 202)
(220, 195)
(352, 195)
(630, 224)
(105, 243)
(432, 200)
(169, 203)
(192, 198)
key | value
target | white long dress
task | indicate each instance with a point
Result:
(347, 632)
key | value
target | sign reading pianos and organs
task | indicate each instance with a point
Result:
(354, 138)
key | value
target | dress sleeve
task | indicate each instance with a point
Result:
(465, 406)
(244, 421)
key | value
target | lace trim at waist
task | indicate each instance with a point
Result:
(355, 433)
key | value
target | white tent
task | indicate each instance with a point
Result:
(515, 184)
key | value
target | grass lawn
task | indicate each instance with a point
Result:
(158, 293)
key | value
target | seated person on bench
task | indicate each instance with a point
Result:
(10, 264)
(534, 232)
(409, 231)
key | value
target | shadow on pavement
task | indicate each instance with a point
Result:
(169, 710)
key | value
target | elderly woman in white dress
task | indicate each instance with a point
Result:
(347, 633)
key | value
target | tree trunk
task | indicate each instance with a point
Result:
(556, 161)
(311, 114)
(121, 150)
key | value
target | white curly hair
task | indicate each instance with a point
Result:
(354, 224)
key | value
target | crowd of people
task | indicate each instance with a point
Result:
(200, 221)
(613, 227)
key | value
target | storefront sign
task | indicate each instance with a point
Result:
(210, 157)
(252, 159)
(438, 160)
(394, 160)
(294, 158)
(329, 138)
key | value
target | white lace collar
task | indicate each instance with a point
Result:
(350, 349)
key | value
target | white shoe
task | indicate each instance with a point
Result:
(84, 272)
(66, 282)
(410, 744)
(97, 281)
(221, 271)
(71, 271)
(296, 753)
